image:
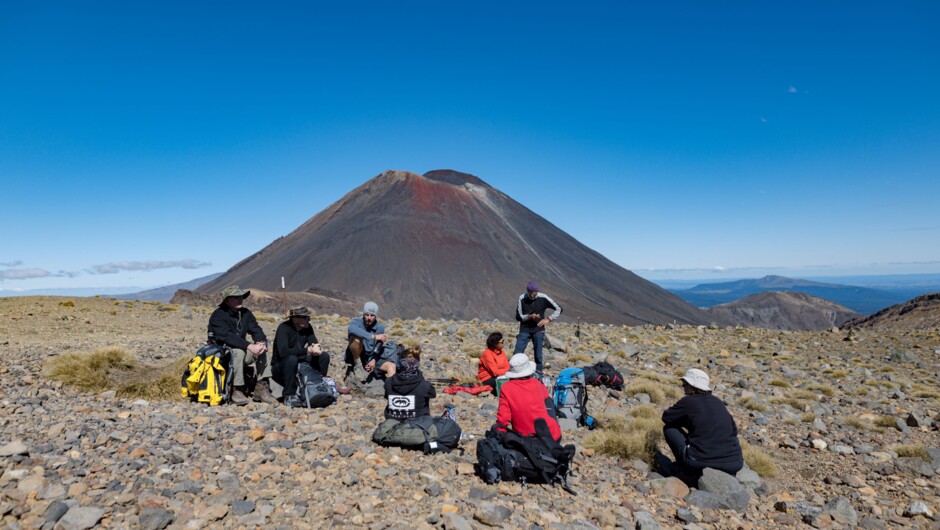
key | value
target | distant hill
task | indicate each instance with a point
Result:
(165, 294)
(448, 245)
(861, 299)
(787, 310)
(922, 312)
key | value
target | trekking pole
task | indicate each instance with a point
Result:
(284, 292)
(442, 380)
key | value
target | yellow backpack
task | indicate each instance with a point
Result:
(204, 378)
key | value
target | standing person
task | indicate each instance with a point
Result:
(367, 339)
(295, 342)
(700, 431)
(524, 399)
(493, 361)
(229, 324)
(530, 312)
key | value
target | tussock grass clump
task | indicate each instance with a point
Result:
(918, 451)
(67, 303)
(808, 417)
(447, 359)
(793, 402)
(780, 382)
(854, 422)
(886, 421)
(630, 438)
(657, 392)
(825, 390)
(759, 462)
(753, 404)
(928, 395)
(116, 369)
(579, 358)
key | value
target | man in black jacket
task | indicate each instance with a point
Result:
(229, 324)
(530, 312)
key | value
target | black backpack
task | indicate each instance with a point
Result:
(509, 456)
(312, 390)
(603, 373)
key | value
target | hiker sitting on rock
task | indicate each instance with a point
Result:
(493, 362)
(229, 324)
(408, 393)
(700, 431)
(367, 339)
(524, 399)
(295, 342)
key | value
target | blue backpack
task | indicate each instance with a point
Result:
(569, 395)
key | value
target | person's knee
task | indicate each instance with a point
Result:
(355, 347)
(389, 368)
(325, 358)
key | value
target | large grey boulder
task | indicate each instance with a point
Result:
(731, 494)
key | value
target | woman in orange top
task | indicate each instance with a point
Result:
(493, 362)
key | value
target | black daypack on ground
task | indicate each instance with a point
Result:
(509, 456)
(430, 434)
(603, 373)
(313, 391)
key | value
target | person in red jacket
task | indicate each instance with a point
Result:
(522, 400)
(493, 362)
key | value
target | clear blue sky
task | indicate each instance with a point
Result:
(147, 143)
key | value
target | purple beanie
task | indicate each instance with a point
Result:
(532, 286)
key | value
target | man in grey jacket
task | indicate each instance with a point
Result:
(367, 340)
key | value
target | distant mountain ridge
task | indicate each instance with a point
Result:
(784, 310)
(165, 294)
(860, 299)
(448, 245)
(922, 312)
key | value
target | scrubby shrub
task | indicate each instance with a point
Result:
(116, 369)
(67, 303)
(759, 462)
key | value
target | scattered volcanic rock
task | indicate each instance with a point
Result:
(446, 244)
(786, 310)
(922, 312)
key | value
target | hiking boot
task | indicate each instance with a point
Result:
(239, 398)
(340, 389)
(263, 393)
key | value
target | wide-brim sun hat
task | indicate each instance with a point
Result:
(697, 379)
(234, 290)
(299, 311)
(520, 366)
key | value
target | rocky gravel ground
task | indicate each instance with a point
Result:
(850, 418)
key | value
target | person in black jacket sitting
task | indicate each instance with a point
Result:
(295, 342)
(700, 431)
(408, 393)
(229, 324)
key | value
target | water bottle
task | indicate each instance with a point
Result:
(450, 412)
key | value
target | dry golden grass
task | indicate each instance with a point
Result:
(657, 392)
(116, 369)
(579, 358)
(918, 451)
(753, 404)
(759, 462)
(780, 382)
(825, 390)
(808, 417)
(636, 437)
(854, 422)
(886, 421)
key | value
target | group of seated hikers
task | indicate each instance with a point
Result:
(523, 443)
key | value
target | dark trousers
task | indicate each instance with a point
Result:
(537, 337)
(678, 442)
(284, 369)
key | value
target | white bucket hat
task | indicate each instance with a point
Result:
(696, 378)
(520, 366)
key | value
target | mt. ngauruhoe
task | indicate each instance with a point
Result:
(446, 244)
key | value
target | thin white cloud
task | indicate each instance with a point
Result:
(24, 274)
(145, 266)
(792, 89)
(16, 263)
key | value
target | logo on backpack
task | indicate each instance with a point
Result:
(401, 403)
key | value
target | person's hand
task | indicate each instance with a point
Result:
(314, 349)
(381, 337)
(370, 365)
(256, 348)
(534, 316)
(543, 322)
